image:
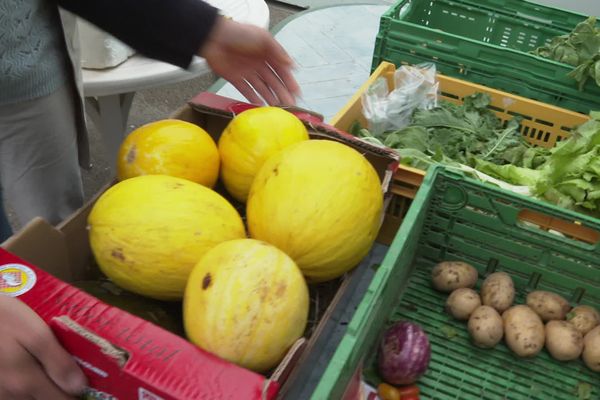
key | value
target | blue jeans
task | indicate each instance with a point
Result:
(5, 229)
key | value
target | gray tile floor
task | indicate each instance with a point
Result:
(333, 57)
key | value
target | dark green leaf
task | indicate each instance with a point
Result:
(536, 391)
(580, 49)
(412, 137)
(478, 101)
(583, 391)
(449, 332)
(355, 128)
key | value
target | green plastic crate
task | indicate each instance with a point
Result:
(457, 218)
(481, 46)
(546, 15)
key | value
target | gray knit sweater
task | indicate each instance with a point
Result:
(33, 57)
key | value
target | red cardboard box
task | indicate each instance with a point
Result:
(123, 356)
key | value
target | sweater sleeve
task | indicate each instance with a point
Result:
(172, 31)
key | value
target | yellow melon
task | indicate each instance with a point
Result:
(170, 147)
(148, 232)
(321, 203)
(247, 302)
(249, 139)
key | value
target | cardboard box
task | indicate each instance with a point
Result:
(123, 356)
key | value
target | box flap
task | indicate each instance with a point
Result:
(41, 244)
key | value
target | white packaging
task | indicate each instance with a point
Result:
(99, 50)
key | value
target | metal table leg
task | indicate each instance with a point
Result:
(110, 114)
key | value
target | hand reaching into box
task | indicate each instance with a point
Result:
(252, 61)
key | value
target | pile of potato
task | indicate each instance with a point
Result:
(568, 332)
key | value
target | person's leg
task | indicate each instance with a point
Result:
(39, 169)
(5, 228)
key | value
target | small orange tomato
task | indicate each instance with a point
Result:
(388, 392)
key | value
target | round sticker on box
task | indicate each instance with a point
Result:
(16, 279)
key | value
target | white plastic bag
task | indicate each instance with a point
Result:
(415, 87)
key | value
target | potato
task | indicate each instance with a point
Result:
(485, 327)
(563, 341)
(547, 305)
(591, 349)
(462, 302)
(584, 318)
(450, 275)
(523, 330)
(498, 291)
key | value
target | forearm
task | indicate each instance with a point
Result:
(168, 30)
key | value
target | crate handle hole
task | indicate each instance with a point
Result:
(491, 266)
(534, 280)
(578, 295)
(573, 230)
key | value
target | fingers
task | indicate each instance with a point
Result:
(277, 84)
(263, 89)
(39, 341)
(253, 62)
(43, 388)
(285, 75)
(265, 82)
(247, 91)
(23, 377)
(53, 359)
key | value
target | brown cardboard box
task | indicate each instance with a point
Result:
(64, 252)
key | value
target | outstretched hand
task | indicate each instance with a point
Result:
(252, 61)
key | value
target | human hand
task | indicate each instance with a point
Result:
(33, 365)
(251, 60)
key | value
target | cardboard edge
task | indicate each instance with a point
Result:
(291, 373)
(220, 105)
(54, 257)
(120, 356)
(61, 233)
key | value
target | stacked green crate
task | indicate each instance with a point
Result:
(546, 15)
(457, 218)
(478, 44)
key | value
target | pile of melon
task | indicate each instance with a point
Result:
(168, 230)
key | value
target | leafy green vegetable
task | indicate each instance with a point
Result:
(456, 134)
(580, 48)
(583, 391)
(569, 176)
(472, 139)
(510, 173)
(449, 331)
(536, 391)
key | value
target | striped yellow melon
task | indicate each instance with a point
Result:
(249, 139)
(321, 203)
(247, 302)
(148, 232)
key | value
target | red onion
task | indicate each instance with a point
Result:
(404, 353)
